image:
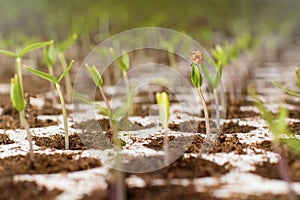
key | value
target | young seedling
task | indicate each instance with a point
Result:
(198, 57)
(56, 81)
(164, 115)
(18, 101)
(61, 48)
(287, 90)
(196, 78)
(18, 55)
(278, 127)
(98, 81)
(124, 64)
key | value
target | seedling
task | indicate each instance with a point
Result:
(56, 81)
(287, 90)
(18, 55)
(164, 115)
(61, 48)
(124, 64)
(114, 116)
(278, 127)
(18, 101)
(225, 54)
(196, 78)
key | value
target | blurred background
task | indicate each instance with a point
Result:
(207, 21)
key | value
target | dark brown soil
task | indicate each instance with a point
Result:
(58, 142)
(96, 194)
(265, 145)
(4, 139)
(191, 126)
(182, 168)
(294, 114)
(232, 127)
(9, 119)
(294, 127)
(46, 164)
(176, 192)
(166, 192)
(11, 190)
(271, 170)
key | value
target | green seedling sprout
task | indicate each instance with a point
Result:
(278, 127)
(164, 115)
(61, 48)
(123, 63)
(18, 55)
(164, 108)
(197, 58)
(287, 90)
(49, 58)
(225, 54)
(196, 78)
(57, 82)
(18, 101)
(98, 81)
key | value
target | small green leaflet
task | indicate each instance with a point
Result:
(95, 75)
(16, 94)
(196, 76)
(32, 47)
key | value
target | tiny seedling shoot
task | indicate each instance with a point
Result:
(18, 101)
(164, 116)
(197, 58)
(18, 55)
(278, 127)
(196, 78)
(98, 81)
(56, 81)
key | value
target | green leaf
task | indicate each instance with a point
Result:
(49, 55)
(125, 62)
(121, 112)
(62, 46)
(43, 75)
(196, 76)
(218, 75)
(164, 107)
(66, 71)
(95, 75)
(33, 47)
(207, 74)
(16, 94)
(286, 90)
(8, 53)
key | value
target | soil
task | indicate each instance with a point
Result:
(4, 139)
(12, 190)
(182, 168)
(294, 127)
(46, 164)
(10, 119)
(58, 142)
(271, 170)
(224, 144)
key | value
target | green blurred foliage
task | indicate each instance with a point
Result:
(56, 19)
